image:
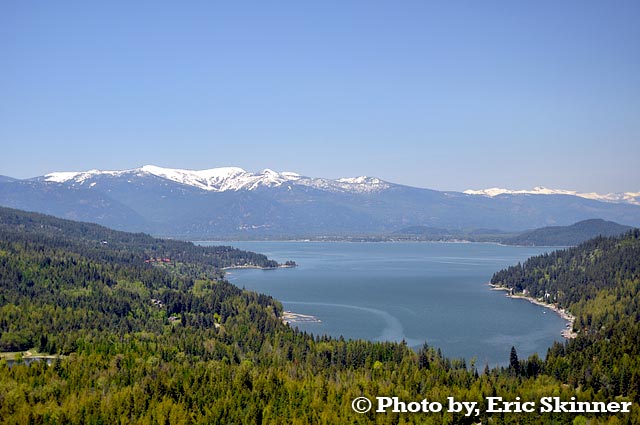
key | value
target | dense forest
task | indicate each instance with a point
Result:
(91, 238)
(139, 341)
(599, 282)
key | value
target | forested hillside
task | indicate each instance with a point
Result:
(91, 239)
(599, 282)
(147, 342)
(568, 235)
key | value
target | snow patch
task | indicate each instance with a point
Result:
(77, 177)
(60, 177)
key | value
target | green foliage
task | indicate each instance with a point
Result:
(228, 358)
(101, 242)
(599, 282)
(514, 363)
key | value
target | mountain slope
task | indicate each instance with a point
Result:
(71, 203)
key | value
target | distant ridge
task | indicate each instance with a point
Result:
(571, 235)
(568, 235)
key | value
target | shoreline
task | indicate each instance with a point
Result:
(291, 318)
(451, 241)
(280, 266)
(381, 241)
(567, 332)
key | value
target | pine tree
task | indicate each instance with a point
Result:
(514, 363)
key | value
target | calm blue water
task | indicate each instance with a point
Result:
(434, 292)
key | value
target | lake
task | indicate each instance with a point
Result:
(417, 292)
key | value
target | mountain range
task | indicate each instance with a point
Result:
(230, 202)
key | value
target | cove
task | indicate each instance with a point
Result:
(417, 292)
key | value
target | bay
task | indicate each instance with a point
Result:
(417, 292)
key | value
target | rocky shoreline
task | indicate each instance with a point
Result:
(251, 266)
(567, 333)
(290, 317)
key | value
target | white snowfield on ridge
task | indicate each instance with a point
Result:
(626, 197)
(228, 178)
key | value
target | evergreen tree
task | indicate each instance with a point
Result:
(514, 363)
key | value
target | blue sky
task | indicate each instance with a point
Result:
(445, 95)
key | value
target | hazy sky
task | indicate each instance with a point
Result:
(445, 95)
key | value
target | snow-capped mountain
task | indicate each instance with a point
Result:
(231, 202)
(225, 179)
(234, 179)
(625, 197)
